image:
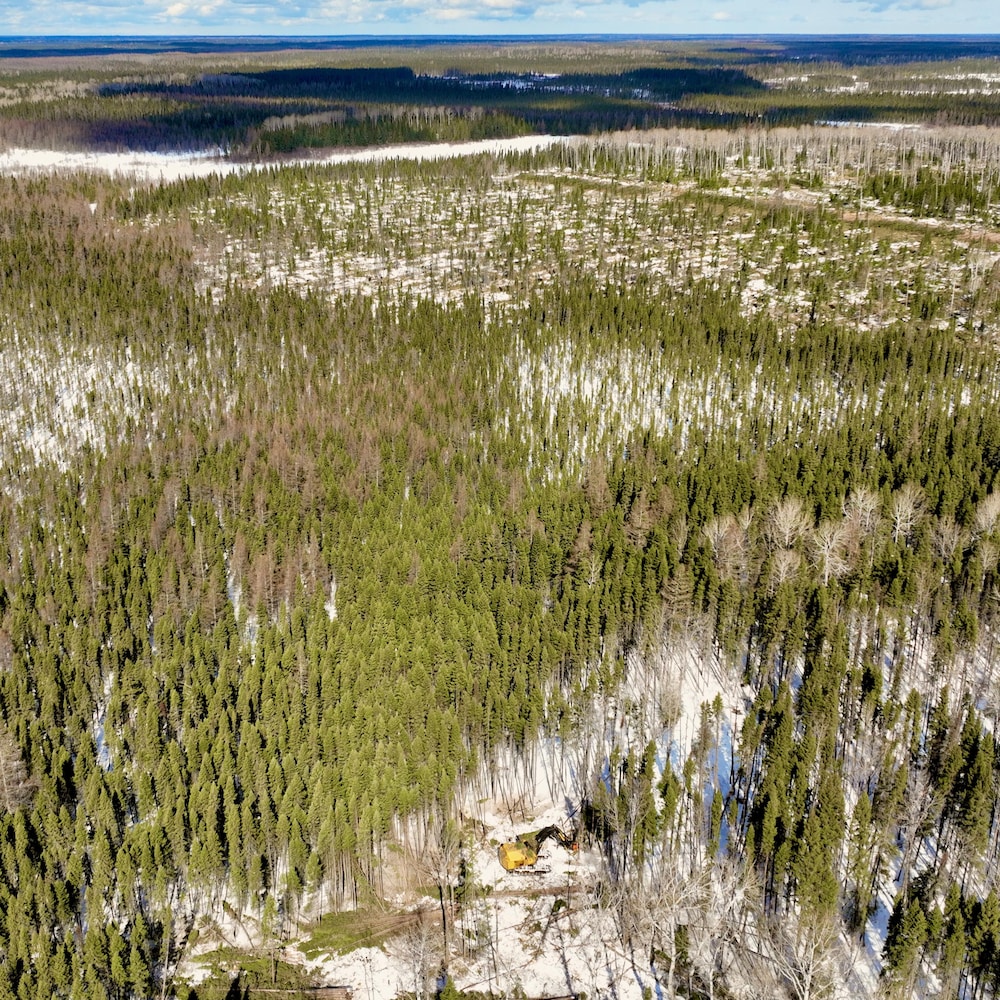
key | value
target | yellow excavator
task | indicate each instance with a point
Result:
(521, 855)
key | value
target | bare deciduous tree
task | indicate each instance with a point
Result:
(729, 543)
(717, 934)
(784, 566)
(17, 788)
(987, 515)
(946, 537)
(800, 952)
(652, 913)
(418, 950)
(863, 518)
(787, 523)
(907, 509)
(828, 548)
(863, 510)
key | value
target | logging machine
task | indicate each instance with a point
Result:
(521, 856)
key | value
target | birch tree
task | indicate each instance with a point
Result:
(17, 788)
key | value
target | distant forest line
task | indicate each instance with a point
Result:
(250, 100)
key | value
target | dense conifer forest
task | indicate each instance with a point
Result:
(337, 498)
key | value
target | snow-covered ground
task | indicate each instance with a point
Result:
(58, 399)
(549, 934)
(539, 933)
(177, 166)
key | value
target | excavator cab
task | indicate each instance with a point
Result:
(517, 855)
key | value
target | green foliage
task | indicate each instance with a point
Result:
(905, 936)
(302, 564)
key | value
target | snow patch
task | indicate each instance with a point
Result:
(167, 167)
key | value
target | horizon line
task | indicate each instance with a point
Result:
(548, 36)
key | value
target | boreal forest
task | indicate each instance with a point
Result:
(621, 489)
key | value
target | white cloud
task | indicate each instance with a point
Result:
(885, 5)
(337, 17)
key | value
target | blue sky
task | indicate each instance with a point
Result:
(345, 17)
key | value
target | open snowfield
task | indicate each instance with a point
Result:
(178, 166)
